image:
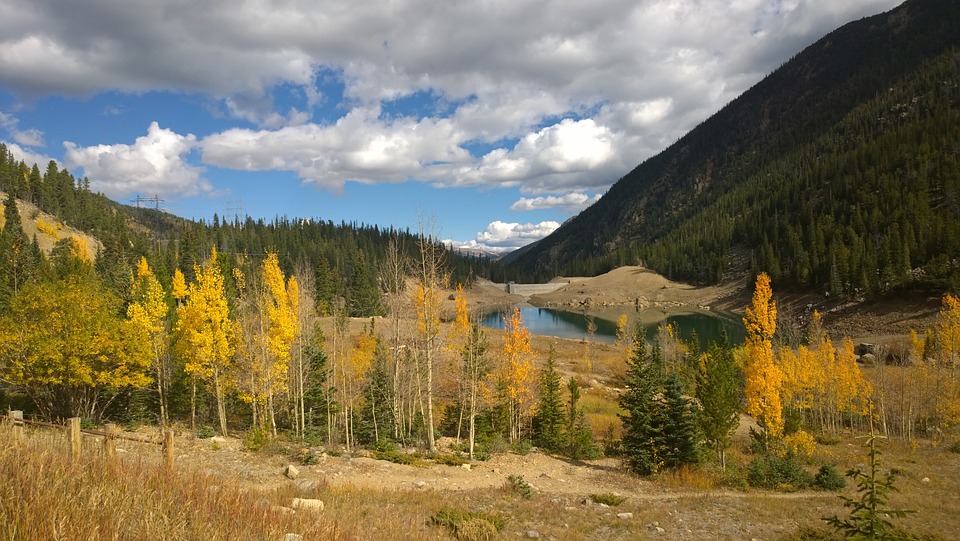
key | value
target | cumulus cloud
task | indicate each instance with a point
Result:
(502, 237)
(31, 137)
(153, 164)
(572, 96)
(571, 202)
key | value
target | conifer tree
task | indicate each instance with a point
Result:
(678, 429)
(548, 421)
(580, 444)
(18, 261)
(640, 430)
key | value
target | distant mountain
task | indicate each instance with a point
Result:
(839, 171)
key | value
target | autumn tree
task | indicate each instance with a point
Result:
(207, 332)
(718, 391)
(64, 345)
(517, 376)
(147, 320)
(763, 377)
(426, 300)
(476, 366)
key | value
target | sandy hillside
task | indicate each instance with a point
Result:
(48, 229)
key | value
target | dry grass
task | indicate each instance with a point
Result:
(44, 496)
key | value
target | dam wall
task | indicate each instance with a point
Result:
(529, 289)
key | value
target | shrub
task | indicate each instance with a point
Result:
(205, 431)
(407, 459)
(522, 447)
(828, 478)
(607, 498)
(449, 460)
(775, 472)
(519, 485)
(469, 525)
(255, 439)
(955, 448)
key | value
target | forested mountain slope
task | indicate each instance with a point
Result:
(345, 259)
(840, 171)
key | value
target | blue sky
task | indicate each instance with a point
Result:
(496, 120)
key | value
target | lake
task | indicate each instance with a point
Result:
(564, 324)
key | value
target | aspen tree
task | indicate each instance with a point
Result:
(517, 374)
(147, 319)
(763, 377)
(426, 300)
(208, 332)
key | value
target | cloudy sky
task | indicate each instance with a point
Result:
(497, 119)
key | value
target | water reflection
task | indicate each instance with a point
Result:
(551, 322)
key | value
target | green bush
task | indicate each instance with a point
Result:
(205, 431)
(522, 447)
(607, 498)
(407, 459)
(828, 478)
(783, 473)
(255, 439)
(519, 485)
(449, 460)
(955, 448)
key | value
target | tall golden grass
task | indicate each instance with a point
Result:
(45, 496)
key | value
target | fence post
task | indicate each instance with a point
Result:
(74, 439)
(110, 443)
(168, 449)
(16, 421)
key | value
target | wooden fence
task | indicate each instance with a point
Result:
(110, 437)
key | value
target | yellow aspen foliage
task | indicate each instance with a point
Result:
(282, 318)
(854, 391)
(147, 321)
(49, 230)
(206, 328)
(518, 375)
(764, 378)
(79, 249)
(802, 376)
(801, 443)
(948, 330)
(178, 286)
(63, 343)
(427, 302)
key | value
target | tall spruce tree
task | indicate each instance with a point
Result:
(678, 426)
(580, 444)
(549, 419)
(640, 427)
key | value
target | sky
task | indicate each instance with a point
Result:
(490, 122)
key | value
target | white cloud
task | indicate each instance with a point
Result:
(31, 137)
(501, 237)
(359, 147)
(587, 89)
(571, 202)
(154, 164)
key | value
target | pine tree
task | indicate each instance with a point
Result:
(640, 430)
(18, 262)
(548, 421)
(678, 429)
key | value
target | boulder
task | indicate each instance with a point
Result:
(291, 471)
(307, 503)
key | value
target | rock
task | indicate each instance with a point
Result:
(279, 509)
(307, 503)
(291, 471)
(419, 483)
(624, 516)
(465, 466)
(305, 485)
(659, 530)
(925, 480)
(868, 359)
(533, 534)
(293, 537)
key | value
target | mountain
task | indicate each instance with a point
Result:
(838, 171)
